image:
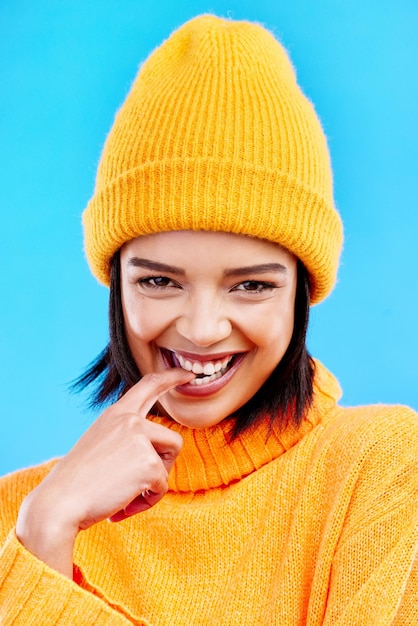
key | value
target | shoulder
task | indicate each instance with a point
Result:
(366, 425)
(376, 443)
(361, 425)
(365, 465)
(15, 487)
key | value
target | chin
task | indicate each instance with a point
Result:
(196, 419)
(196, 423)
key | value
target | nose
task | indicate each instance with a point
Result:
(204, 322)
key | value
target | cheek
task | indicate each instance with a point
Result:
(285, 318)
(144, 319)
(272, 329)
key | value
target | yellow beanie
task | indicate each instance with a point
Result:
(216, 135)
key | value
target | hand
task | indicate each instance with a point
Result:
(118, 468)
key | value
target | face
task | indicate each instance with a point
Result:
(218, 304)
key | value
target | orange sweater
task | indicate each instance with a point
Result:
(315, 526)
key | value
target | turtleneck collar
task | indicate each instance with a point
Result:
(209, 460)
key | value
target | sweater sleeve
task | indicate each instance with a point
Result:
(33, 593)
(374, 577)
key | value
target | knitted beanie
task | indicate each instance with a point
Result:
(216, 135)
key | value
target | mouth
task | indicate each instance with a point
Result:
(206, 371)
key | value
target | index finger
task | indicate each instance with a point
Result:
(151, 387)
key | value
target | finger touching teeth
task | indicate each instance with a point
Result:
(205, 371)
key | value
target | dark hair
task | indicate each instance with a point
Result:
(284, 397)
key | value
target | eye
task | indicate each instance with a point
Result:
(156, 282)
(254, 286)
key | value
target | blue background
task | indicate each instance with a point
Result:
(66, 67)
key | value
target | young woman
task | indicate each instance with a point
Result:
(237, 490)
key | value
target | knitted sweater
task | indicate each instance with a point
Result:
(312, 526)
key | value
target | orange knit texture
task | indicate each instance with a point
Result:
(316, 526)
(216, 135)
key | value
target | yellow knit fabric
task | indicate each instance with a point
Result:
(316, 526)
(215, 134)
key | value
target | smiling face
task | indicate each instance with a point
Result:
(218, 304)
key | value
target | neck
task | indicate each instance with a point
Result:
(210, 458)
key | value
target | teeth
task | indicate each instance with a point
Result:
(210, 369)
(197, 368)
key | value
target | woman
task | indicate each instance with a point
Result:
(244, 493)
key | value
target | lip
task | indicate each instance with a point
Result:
(208, 389)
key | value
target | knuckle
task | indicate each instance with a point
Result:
(132, 419)
(173, 451)
(161, 485)
(177, 443)
(153, 464)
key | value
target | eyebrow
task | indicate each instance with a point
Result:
(156, 266)
(262, 268)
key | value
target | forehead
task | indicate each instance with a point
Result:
(220, 247)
